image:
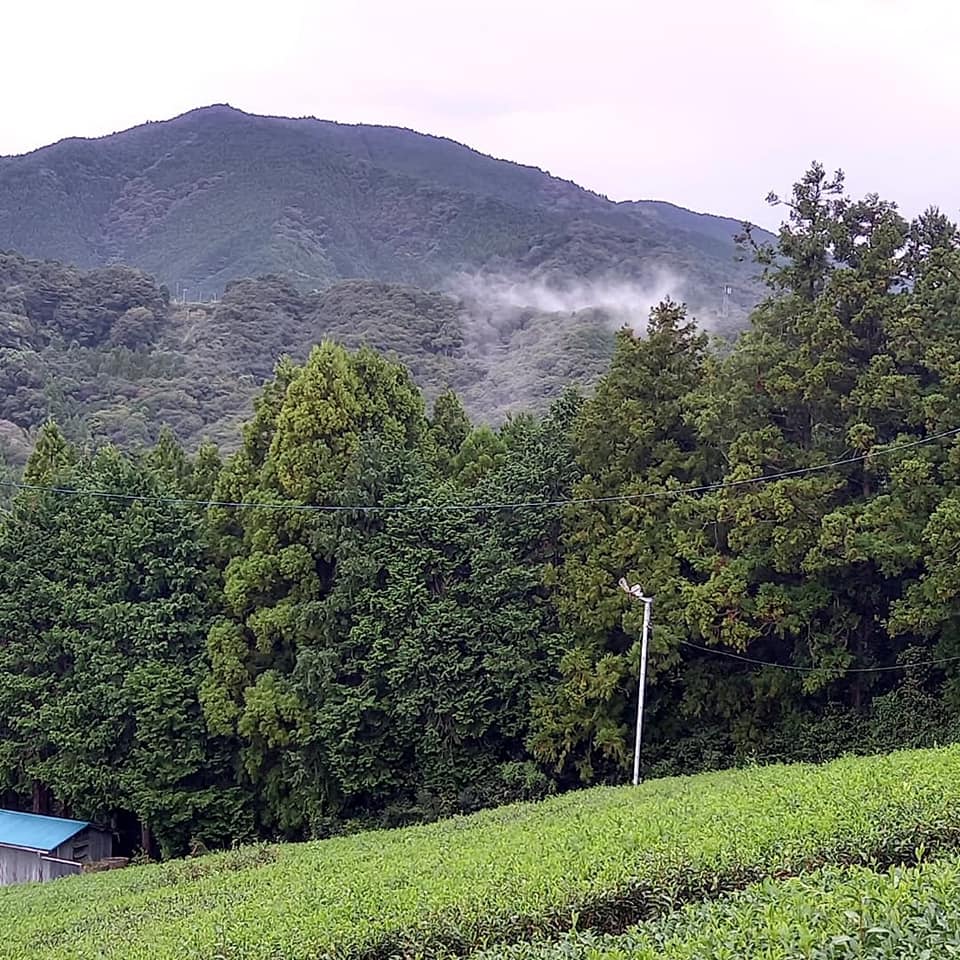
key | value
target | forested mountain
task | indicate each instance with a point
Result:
(217, 194)
(370, 610)
(110, 356)
(161, 272)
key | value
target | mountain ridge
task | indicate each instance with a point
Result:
(217, 194)
(487, 277)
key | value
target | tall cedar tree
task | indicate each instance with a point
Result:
(103, 609)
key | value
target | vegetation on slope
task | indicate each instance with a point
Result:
(217, 194)
(849, 913)
(391, 615)
(597, 859)
(110, 357)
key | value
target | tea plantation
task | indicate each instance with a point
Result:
(780, 861)
(906, 913)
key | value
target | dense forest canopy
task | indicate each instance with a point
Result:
(110, 356)
(369, 609)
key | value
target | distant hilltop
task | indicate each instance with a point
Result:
(217, 194)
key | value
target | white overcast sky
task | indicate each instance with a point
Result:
(706, 103)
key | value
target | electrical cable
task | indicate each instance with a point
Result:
(789, 666)
(468, 507)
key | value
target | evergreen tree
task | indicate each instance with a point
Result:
(449, 427)
(281, 564)
(634, 442)
(103, 610)
(380, 664)
(806, 570)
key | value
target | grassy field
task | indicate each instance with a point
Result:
(596, 860)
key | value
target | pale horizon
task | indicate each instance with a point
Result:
(705, 107)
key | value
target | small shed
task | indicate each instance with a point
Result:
(35, 848)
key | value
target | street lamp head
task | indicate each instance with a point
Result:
(635, 591)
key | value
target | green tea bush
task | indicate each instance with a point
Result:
(834, 914)
(600, 859)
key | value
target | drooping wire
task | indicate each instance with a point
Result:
(799, 669)
(468, 507)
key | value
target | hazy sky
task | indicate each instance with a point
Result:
(707, 103)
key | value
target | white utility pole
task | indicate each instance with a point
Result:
(636, 592)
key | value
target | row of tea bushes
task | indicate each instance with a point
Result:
(598, 859)
(851, 913)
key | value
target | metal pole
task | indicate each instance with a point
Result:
(647, 601)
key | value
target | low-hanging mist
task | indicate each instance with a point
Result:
(623, 301)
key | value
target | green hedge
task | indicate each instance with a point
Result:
(834, 914)
(596, 859)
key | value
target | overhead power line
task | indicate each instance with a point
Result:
(798, 669)
(470, 507)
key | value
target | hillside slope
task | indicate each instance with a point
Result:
(597, 860)
(218, 194)
(107, 354)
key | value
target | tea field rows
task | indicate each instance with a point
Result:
(851, 913)
(599, 859)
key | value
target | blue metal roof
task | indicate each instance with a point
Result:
(36, 832)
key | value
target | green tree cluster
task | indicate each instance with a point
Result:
(828, 573)
(378, 663)
(373, 613)
(104, 603)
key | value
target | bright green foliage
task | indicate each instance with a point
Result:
(381, 664)
(267, 652)
(632, 440)
(834, 914)
(449, 427)
(52, 456)
(596, 859)
(103, 605)
(481, 453)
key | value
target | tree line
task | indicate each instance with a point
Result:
(194, 653)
